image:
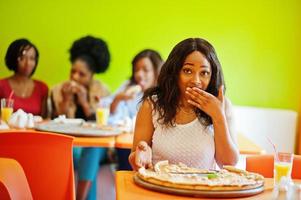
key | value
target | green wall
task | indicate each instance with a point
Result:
(258, 42)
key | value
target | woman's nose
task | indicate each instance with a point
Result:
(27, 61)
(75, 77)
(196, 79)
(139, 74)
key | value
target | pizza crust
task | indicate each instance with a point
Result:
(182, 177)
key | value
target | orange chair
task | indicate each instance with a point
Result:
(13, 182)
(264, 165)
(46, 159)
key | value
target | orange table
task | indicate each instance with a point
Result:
(80, 141)
(245, 145)
(124, 141)
(126, 189)
(94, 141)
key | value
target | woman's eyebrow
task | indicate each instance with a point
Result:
(187, 63)
(191, 64)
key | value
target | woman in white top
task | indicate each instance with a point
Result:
(186, 117)
(145, 70)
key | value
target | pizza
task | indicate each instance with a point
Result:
(133, 90)
(181, 176)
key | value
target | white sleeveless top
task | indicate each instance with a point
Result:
(191, 144)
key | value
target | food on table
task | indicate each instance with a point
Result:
(183, 177)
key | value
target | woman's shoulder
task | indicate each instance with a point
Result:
(56, 89)
(4, 87)
(146, 106)
(41, 88)
(4, 81)
(97, 86)
(150, 101)
(40, 83)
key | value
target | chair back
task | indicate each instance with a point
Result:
(264, 165)
(46, 159)
(13, 182)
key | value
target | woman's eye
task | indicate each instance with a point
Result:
(205, 73)
(187, 71)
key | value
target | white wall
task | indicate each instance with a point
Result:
(259, 123)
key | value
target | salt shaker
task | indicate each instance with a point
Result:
(293, 192)
(281, 190)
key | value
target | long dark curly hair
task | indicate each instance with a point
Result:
(167, 89)
(94, 51)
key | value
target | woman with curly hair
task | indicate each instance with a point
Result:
(186, 117)
(28, 94)
(78, 98)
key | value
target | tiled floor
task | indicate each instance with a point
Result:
(106, 183)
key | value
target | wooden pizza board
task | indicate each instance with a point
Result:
(198, 193)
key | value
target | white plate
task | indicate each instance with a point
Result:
(76, 129)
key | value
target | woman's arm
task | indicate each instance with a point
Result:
(115, 102)
(129, 93)
(141, 155)
(82, 98)
(226, 151)
(224, 138)
(44, 104)
(60, 105)
(44, 110)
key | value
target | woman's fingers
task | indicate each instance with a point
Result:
(143, 155)
(221, 93)
(142, 145)
(199, 106)
(203, 93)
(140, 161)
(197, 96)
(150, 165)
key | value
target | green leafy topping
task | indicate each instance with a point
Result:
(210, 176)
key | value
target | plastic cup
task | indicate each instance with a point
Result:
(6, 109)
(282, 166)
(102, 115)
